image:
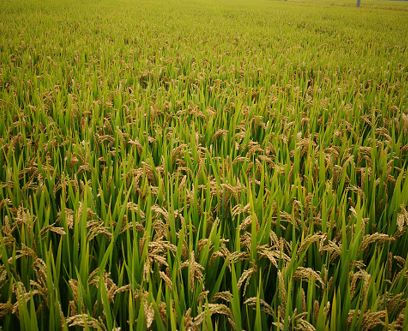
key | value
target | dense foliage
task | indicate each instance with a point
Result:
(203, 165)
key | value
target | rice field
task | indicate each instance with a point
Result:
(203, 165)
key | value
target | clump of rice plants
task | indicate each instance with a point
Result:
(205, 165)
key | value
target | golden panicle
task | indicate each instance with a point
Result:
(374, 238)
(284, 216)
(307, 273)
(212, 308)
(251, 302)
(163, 311)
(73, 284)
(166, 280)
(359, 264)
(245, 278)
(24, 217)
(40, 269)
(24, 251)
(161, 260)
(149, 313)
(235, 190)
(219, 133)
(279, 326)
(246, 239)
(404, 119)
(188, 321)
(160, 211)
(274, 238)
(6, 201)
(225, 295)
(282, 290)
(133, 207)
(305, 243)
(236, 256)
(239, 209)
(133, 225)
(121, 289)
(147, 269)
(326, 309)
(195, 270)
(272, 254)
(51, 228)
(245, 223)
(85, 321)
(399, 322)
(203, 296)
(383, 132)
(253, 147)
(137, 144)
(69, 217)
(303, 295)
(3, 275)
(72, 310)
(302, 324)
(6, 309)
(96, 228)
(370, 319)
(400, 260)
(316, 308)
(21, 294)
(7, 229)
(402, 220)
(203, 243)
(365, 277)
(178, 151)
(240, 159)
(332, 248)
(160, 229)
(268, 160)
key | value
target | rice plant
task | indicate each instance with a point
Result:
(203, 165)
